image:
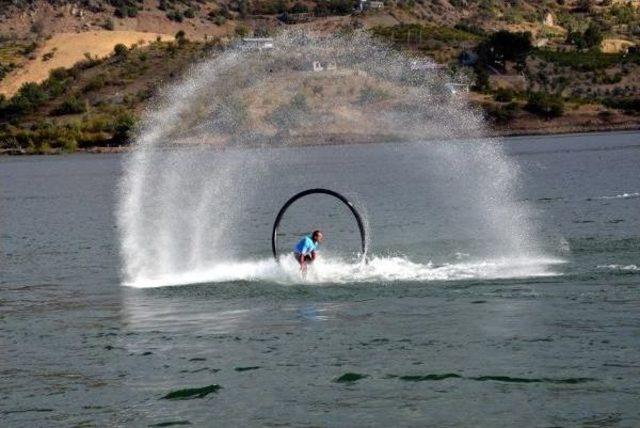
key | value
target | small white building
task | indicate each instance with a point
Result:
(370, 5)
(322, 66)
(258, 43)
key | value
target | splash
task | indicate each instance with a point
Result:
(233, 132)
(386, 270)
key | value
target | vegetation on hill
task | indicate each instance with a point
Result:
(96, 102)
(524, 61)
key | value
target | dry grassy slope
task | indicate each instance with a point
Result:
(73, 16)
(69, 48)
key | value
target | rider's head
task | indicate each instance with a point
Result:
(317, 236)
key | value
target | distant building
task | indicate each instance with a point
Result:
(370, 5)
(320, 66)
(259, 43)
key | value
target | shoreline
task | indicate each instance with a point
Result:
(493, 133)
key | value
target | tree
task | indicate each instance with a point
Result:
(504, 46)
(593, 36)
(545, 105)
(123, 127)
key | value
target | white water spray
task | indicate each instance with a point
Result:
(215, 141)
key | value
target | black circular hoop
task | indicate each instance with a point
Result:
(285, 207)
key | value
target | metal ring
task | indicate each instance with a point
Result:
(285, 207)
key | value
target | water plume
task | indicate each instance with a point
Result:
(220, 138)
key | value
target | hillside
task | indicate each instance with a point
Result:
(579, 68)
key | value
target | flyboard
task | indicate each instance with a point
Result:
(352, 208)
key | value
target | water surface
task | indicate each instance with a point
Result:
(550, 342)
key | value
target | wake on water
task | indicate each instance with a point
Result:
(334, 271)
(182, 207)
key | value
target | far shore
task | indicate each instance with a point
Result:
(359, 139)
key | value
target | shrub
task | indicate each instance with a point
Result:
(29, 98)
(95, 83)
(47, 56)
(335, 7)
(175, 16)
(181, 38)
(629, 105)
(108, 24)
(120, 50)
(242, 30)
(71, 105)
(545, 105)
(504, 95)
(189, 13)
(503, 115)
(299, 8)
(59, 73)
(582, 61)
(122, 128)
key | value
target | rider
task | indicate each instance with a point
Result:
(305, 249)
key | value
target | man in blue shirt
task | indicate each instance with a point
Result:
(305, 249)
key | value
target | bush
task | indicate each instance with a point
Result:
(299, 8)
(335, 7)
(504, 95)
(108, 24)
(629, 105)
(95, 83)
(71, 105)
(29, 98)
(122, 128)
(503, 115)
(175, 16)
(582, 61)
(120, 50)
(181, 37)
(242, 30)
(189, 13)
(59, 73)
(545, 105)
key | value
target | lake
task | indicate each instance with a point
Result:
(425, 335)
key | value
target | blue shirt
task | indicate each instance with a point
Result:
(305, 246)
